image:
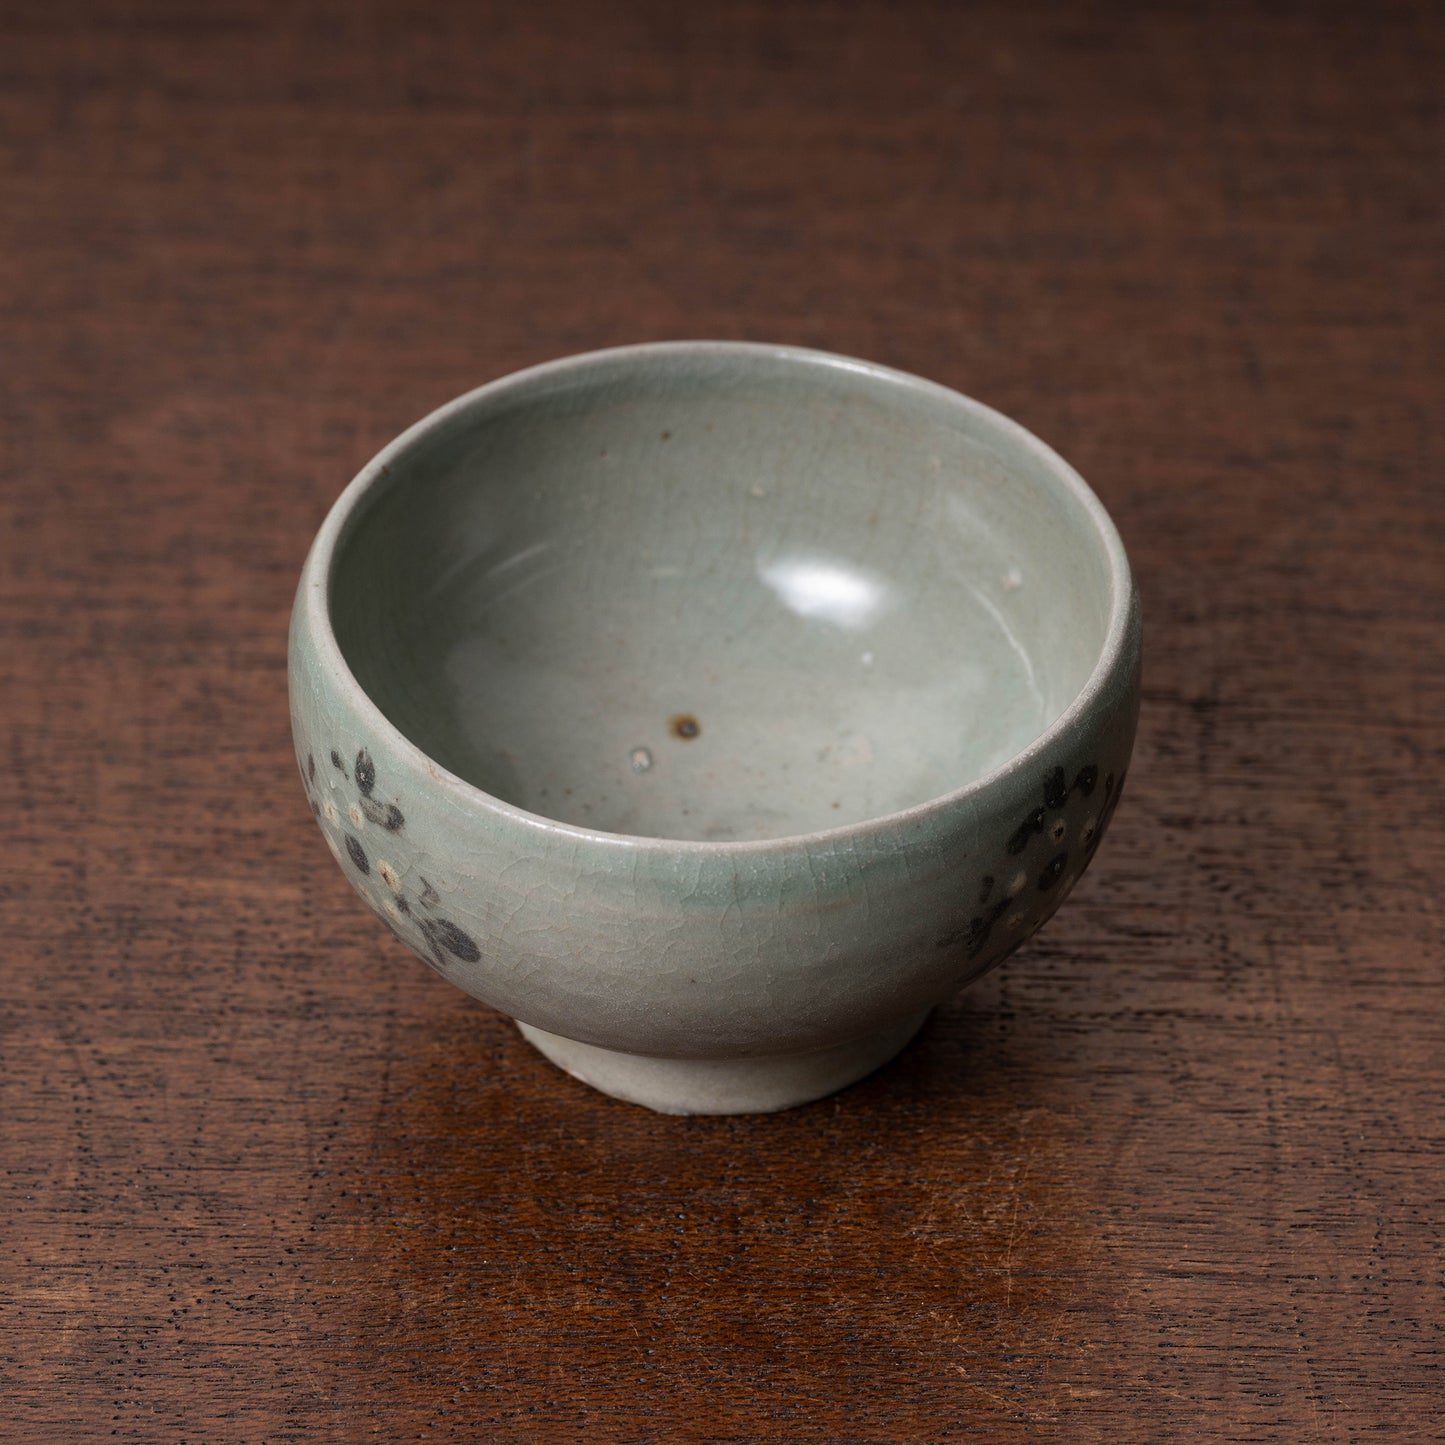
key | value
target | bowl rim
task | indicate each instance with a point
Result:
(314, 600)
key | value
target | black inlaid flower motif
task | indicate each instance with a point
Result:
(1053, 871)
(1031, 827)
(1071, 839)
(1056, 790)
(417, 921)
(443, 932)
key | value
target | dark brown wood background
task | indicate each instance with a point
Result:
(1173, 1172)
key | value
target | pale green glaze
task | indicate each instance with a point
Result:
(710, 685)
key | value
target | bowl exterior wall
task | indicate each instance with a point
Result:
(704, 950)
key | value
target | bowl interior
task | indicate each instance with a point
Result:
(720, 593)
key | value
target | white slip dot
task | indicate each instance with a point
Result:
(1019, 883)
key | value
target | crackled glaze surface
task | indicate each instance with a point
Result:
(714, 703)
(383, 871)
(1048, 852)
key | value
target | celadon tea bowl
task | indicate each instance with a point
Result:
(714, 710)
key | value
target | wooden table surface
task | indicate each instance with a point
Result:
(1173, 1172)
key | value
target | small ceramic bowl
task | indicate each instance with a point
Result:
(714, 710)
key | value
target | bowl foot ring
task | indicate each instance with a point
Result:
(758, 1085)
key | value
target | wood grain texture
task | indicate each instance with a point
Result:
(1173, 1172)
